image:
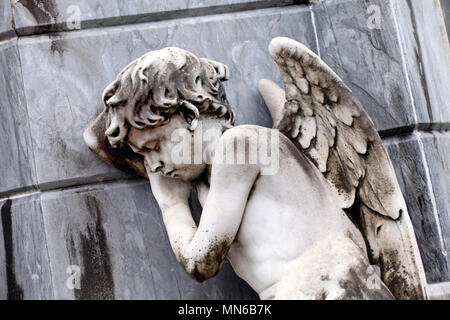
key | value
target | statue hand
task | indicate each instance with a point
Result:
(168, 191)
(202, 192)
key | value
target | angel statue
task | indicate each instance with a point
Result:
(313, 220)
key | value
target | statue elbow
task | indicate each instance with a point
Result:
(200, 270)
(206, 265)
(202, 274)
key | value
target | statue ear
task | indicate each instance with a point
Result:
(222, 70)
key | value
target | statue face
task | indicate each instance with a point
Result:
(157, 146)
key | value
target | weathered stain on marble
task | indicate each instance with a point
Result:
(89, 250)
(43, 11)
(15, 292)
(142, 265)
(28, 270)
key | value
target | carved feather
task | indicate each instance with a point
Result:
(326, 123)
(329, 125)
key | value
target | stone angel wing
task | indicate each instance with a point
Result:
(322, 118)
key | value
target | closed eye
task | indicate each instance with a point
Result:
(152, 147)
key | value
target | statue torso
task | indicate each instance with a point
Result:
(290, 222)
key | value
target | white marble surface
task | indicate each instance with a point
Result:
(63, 94)
(427, 55)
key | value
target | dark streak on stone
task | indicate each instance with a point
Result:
(419, 60)
(91, 253)
(43, 11)
(15, 292)
(356, 288)
(57, 44)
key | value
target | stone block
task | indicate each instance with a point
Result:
(427, 58)
(25, 257)
(437, 153)
(17, 162)
(115, 234)
(6, 29)
(407, 157)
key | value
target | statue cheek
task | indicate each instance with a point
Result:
(165, 152)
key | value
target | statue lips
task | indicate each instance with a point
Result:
(169, 173)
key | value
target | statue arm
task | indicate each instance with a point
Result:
(202, 250)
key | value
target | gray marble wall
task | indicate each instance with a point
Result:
(61, 206)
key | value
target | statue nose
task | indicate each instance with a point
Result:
(153, 160)
(155, 166)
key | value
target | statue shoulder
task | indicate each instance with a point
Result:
(248, 130)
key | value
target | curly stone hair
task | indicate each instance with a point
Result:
(148, 91)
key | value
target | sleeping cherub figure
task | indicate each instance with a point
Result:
(308, 209)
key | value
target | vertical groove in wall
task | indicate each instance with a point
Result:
(405, 67)
(47, 250)
(14, 290)
(316, 35)
(416, 131)
(13, 20)
(432, 195)
(27, 114)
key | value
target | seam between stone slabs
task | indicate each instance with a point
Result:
(52, 188)
(91, 180)
(157, 16)
(416, 129)
(47, 250)
(402, 53)
(4, 41)
(34, 175)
